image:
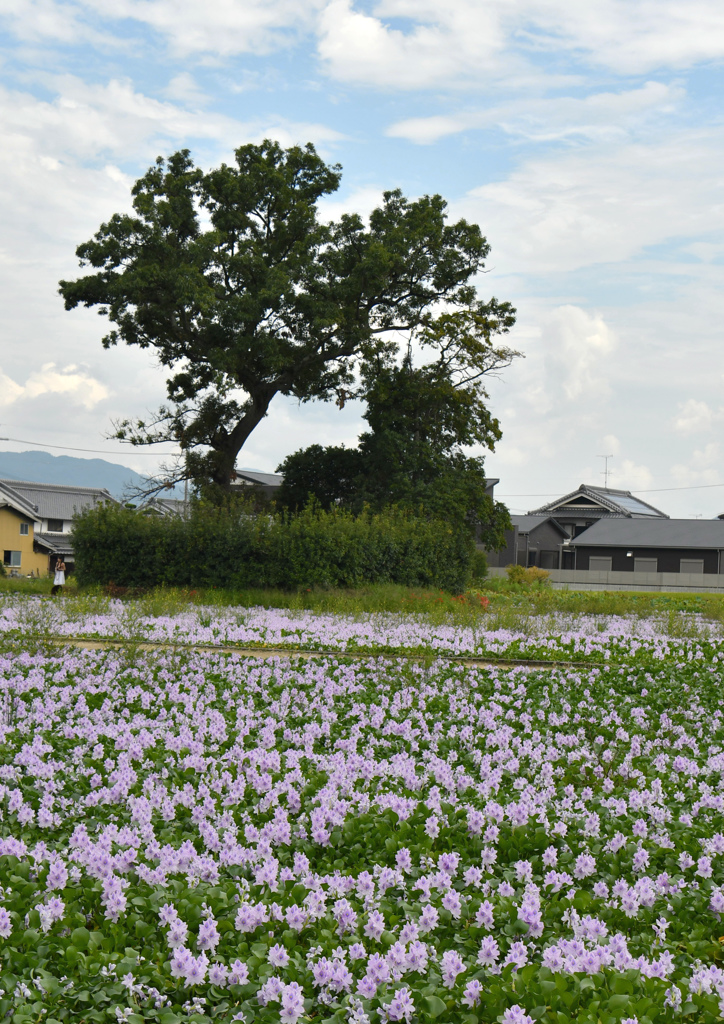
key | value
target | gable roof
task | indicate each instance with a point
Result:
(55, 501)
(599, 502)
(166, 506)
(653, 533)
(15, 501)
(526, 524)
(247, 476)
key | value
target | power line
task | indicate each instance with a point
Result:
(644, 490)
(69, 448)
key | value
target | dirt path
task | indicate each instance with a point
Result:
(87, 644)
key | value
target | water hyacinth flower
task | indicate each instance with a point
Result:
(450, 966)
(516, 1015)
(400, 1007)
(278, 956)
(213, 773)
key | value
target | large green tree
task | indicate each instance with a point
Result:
(244, 293)
(423, 420)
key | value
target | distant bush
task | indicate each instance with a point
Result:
(531, 576)
(233, 547)
(479, 566)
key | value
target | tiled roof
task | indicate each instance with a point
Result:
(56, 543)
(527, 523)
(56, 501)
(604, 500)
(653, 533)
(264, 479)
(9, 497)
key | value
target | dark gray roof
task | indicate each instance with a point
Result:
(16, 501)
(527, 523)
(602, 501)
(653, 533)
(264, 479)
(57, 501)
(166, 506)
(56, 543)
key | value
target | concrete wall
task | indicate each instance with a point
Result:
(584, 579)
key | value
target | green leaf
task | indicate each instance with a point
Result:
(80, 937)
(435, 1006)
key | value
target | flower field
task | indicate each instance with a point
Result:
(587, 638)
(192, 836)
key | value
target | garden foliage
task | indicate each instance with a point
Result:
(209, 838)
(233, 547)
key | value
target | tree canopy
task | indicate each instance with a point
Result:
(422, 418)
(243, 292)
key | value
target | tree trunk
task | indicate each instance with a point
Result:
(228, 449)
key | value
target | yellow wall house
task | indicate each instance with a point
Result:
(17, 535)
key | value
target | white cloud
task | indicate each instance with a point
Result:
(695, 416)
(440, 47)
(222, 28)
(361, 200)
(77, 386)
(628, 476)
(577, 345)
(605, 204)
(463, 40)
(702, 467)
(600, 116)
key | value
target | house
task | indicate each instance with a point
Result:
(51, 507)
(652, 545)
(540, 537)
(18, 525)
(166, 506)
(267, 483)
(534, 540)
(580, 509)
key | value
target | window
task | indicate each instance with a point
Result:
(24, 529)
(12, 558)
(55, 526)
(692, 565)
(646, 565)
(599, 564)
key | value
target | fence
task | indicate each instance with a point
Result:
(589, 579)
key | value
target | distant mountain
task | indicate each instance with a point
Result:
(42, 468)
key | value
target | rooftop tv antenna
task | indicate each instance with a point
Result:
(606, 471)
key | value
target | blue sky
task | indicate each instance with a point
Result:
(586, 139)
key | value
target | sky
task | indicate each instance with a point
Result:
(585, 139)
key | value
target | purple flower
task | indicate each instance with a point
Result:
(489, 952)
(471, 995)
(516, 1015)
(209, 937)
(278, 956)
(401, 1006)
(238, 973)
(292, 1003)
(451, 965)
(374, 925)
(428, 919)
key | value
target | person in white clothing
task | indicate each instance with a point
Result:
(59, 578)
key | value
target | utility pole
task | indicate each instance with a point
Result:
(606, 470)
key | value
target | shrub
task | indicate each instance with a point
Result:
(532, 576)
(479, 566)
(234, 547)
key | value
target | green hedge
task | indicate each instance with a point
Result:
(237, 548)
